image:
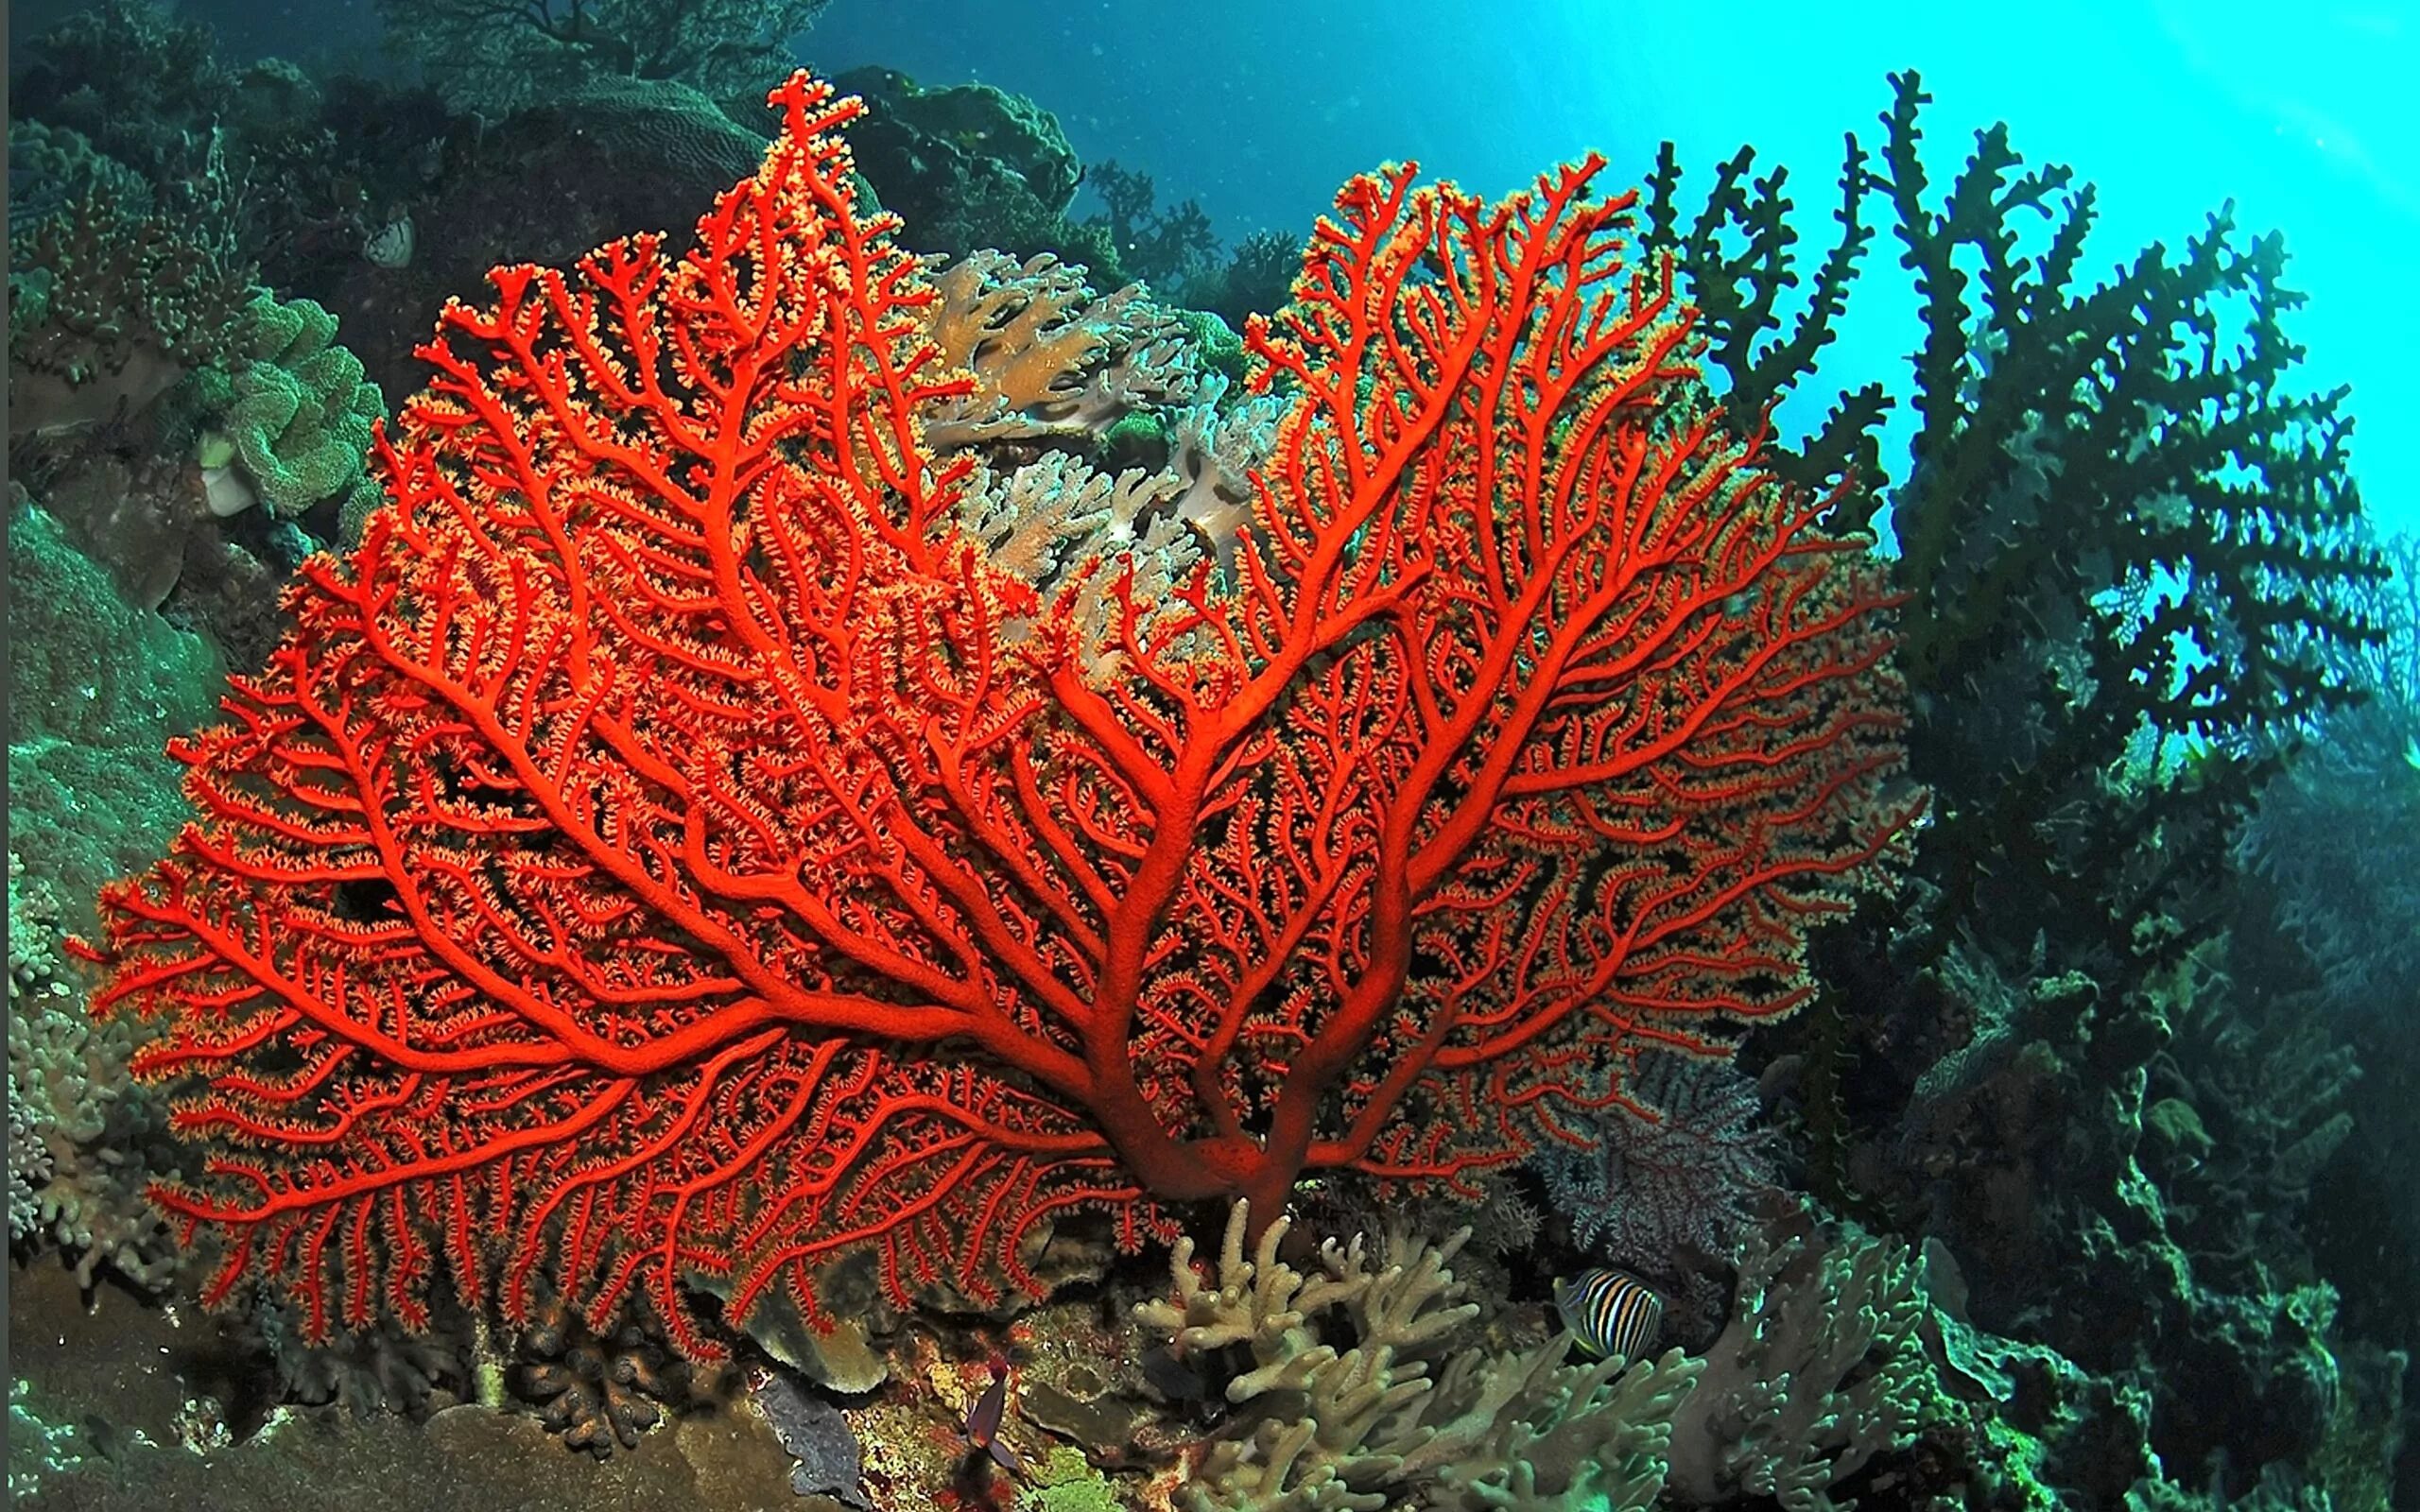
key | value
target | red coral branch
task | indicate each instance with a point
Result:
(668, 845)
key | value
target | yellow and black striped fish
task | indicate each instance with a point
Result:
(1611, 1312)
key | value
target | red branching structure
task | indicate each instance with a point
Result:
(667, 847)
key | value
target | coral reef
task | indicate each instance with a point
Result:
(108, 310)
(2086, 1082)
(293, 426)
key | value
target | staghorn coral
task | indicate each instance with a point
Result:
(1165, 247)
(1821, 1367)
(1405, 1408)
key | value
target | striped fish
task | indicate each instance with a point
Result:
(1611, 1312)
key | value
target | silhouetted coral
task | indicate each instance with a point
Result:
(495, 59)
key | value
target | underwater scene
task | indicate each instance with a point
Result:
(807, 754)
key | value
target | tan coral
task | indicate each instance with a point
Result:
(1050, 359)
(1407, 1414)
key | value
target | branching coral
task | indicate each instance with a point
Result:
(1674, 1179)
(79, 1128)
(2128, 541)
(1406, 1407)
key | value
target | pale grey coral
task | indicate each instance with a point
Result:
(79, 1124)
(1409, 1411)
(28, 1168)
(1215, 452)
(1069, 529)
(1821, 1367)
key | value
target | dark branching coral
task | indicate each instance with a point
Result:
(1738, 255)
(2337, 839)
(247, 151)
(1164, 246)
(2124, 537)
(1671, 1183)
(382, 1370)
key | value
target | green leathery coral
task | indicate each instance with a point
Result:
(301, 412)
(1820, 1368)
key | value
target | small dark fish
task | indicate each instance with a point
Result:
(983, 1423)
(1611, 1312)
(1173, 1377)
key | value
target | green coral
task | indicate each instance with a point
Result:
(300, 411)
(37, 1450)
(96, 688)
(1821, 1367)
(1067, 1481)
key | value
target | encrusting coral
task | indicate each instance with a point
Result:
(1410, 1407)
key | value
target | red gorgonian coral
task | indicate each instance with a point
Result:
(669, 845)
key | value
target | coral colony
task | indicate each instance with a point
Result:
(672, 845)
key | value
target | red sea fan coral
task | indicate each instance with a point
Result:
(668, 845)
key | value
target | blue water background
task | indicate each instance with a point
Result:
(2307, 116)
